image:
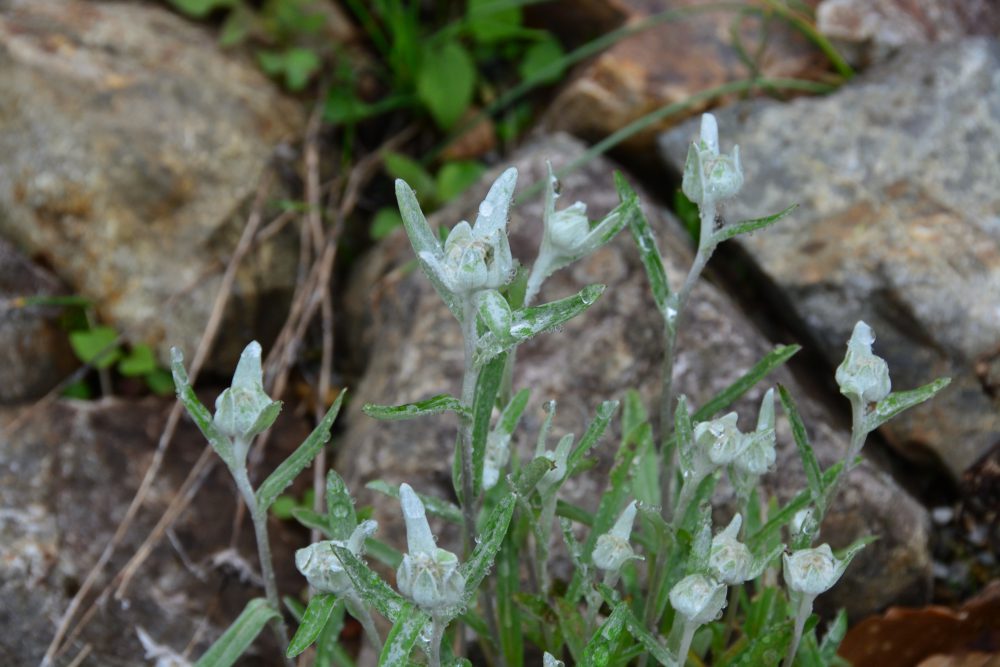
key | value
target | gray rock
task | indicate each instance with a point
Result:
(66, 479)
(899, 225)
(34, 352)
(416, 353)
(131, 144)
(868, 31)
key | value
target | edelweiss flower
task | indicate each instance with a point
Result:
(245, 409)
(613, 549)
(863, 374)
(710, 176)
(319, 564)
(428, 575)
(698, 599)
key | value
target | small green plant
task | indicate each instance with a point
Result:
(652, 576)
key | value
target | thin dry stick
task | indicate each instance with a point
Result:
(211, 328)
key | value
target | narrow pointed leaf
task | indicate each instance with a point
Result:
(653, 647)
(431, 406)
(531, 474)
(299, 460)
(487, 386)
(511, 415)
(777, 520)
(508, 615)
(199, 413)
(814, 475)
(313, 621)
(762, 368)
(313, 521)
(897, 402)
(435, 506)
(403, 636)
(327, 648)
(340, 515)
(237, 638)
(369, 585)
(384, 553)
(749, 226)
(490, 540)
(649, 251)
(599, 650)
(835, 634)
(423, 240)
(605, 411)
(531, 321)
(684, 434)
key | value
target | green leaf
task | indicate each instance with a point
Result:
(386, 221)
(899, 401)
(814, 474)
(435, 506)
(296, 65)
(835, 634)
(454, 178)
(531, 321)
(749, 226)
(302, 457)
(600, 648)
(222, 445)
(313, 622)
(605, 411)
(572, 626)
(96, 346)
(159, 382)
(401, 166)
(508, 581)
(762, 368)
(369, 585)
(340, 515)
(434, 405)
(283, 506)
(684, 434)
(653, 647)
(423, 240)
(79, 390)
(487, 386)
(306, 517)
(404, 634)
(201, 8)
(327, 649)
(491, 21)
(511, 415)
(237, 638)
(531, 474)
(139, 361)
(543, 60)
(237, 26)
(490, 539)
(778, 519)
(445, 82)
(383, 553)
(649, 251)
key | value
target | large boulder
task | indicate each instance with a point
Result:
(898, 224)
(416, 352)
(67, 476)
(34, 351)
(132, 145)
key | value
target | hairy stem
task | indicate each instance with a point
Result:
(802, 612)
(264, 554)
(469, 380)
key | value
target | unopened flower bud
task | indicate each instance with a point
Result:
(320, 565)
(720, 439)
(698, 599)
(730, 559)
(245, 409)
(613, 549)
(863, 374)
(813, 571)
(428, 575)
(711, 176)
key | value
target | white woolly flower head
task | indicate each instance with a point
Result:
(711, 176)
(813, 571)
(613, 550)
(322, 568)
(730, 559)
(428, 575)
(699, 599)
(244, 409)
(863, 374)
(720, 439)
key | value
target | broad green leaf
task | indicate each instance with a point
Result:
(301, 458)
(597, 427)
(454, 178)
(749, 226)
(375, 592)
(435, 506)
(385, 222)
(139, 361)
(897, 402)
(727, 396)
(97, 346)
(430, 406)
(404, 634)
(199, 413)
(531, 321)
(542, 60)
(489, 541)
(491, 21)
(228, 648)
(313, 621)
(414, 173)
(487, 386)
(445, 82)
(649, 251)
(423, 240)
(814, 474)
(340, 515)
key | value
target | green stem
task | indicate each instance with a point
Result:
(360, 612)
(801, 614)
(469, 380)
(264, 554)
(685, 647)
(437, 633)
